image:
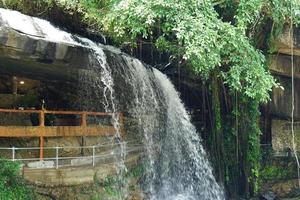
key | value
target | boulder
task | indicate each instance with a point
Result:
(268, 196)
(283, 188)
(294, 193)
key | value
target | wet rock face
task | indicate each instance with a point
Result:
(281, 104)
(34, 48)
(280, 65)
(284, 43)
(284, 188)
(40, 59)
(268, 196)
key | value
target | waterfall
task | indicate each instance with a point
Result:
(176, 165)
(184, 168)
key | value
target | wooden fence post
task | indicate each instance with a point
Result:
(42, 124)
(84, 124)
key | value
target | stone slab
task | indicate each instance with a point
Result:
(281, 64)
(281, 99)
(41, 164)
(282, 135)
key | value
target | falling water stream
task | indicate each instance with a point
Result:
(176, 165)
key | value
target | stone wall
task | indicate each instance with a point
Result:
(281, 178)
(280, 65)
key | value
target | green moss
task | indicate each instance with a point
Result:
(110, 186)
(278, 168)
(274, 172)
(216, 137)
(136, 172)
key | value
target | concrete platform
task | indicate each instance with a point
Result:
(69, 176)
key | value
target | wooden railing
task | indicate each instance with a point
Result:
(42, 131)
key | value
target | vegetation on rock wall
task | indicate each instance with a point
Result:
(216, 136)
(110, 185)
(198, 34)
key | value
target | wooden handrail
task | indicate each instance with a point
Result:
(18, 111)
(57, 112)
(83, 124)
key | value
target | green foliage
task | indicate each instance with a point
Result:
(252, 15)
(194, 32)
(242, 144)
(111, 184)
(93, 11)
(231, 154)
(216, 137)
(136, 172)
(80, 14)
(283, 10)
(274, 172)
(248, 12)
(251, 116)
(277, 168)
(280, 11)
(110, 187)
(27, 6)
(12, 186)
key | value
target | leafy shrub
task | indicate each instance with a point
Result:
(12, 186)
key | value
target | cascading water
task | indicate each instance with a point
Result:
(176, 163)
(102, 82)
(183, 166)
(176, 167)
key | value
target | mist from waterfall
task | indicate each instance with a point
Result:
(176, 165)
